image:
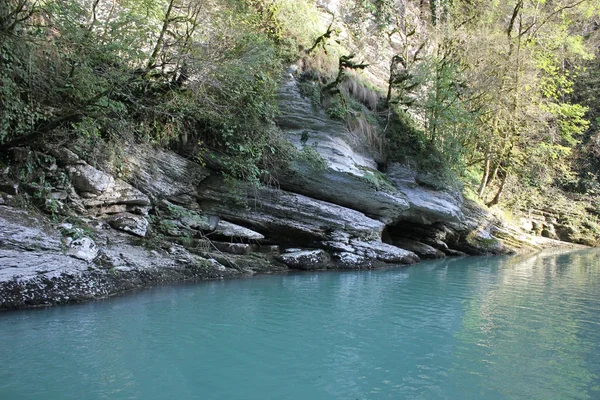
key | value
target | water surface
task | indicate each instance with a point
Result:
(475, 328)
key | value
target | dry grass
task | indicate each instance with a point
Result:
(320, 66)
(365, 133)
(353, 87)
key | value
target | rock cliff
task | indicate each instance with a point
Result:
(168, 218)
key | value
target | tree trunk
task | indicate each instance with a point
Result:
(161, 36)
(486, 175)
(496, 198)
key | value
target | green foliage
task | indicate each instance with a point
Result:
(163, 71)
(406, 143)
(449, 118)
(21, 110)
(337, 107)
(569, 120)
(311, 90)
(312, 157)
(485, 92)
(379, 180)
(362, 12)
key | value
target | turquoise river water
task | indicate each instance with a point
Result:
(472, 328)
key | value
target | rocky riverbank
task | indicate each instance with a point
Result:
(159, 216)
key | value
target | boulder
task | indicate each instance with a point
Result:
(83, 248)
(100, 193)
(348, 260)
(87, 179)
(130, 223)
(227, 229)
(305, 259)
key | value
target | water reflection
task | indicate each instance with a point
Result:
(530, 327)
(493, 328)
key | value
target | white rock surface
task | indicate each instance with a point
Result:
(83, 248)
(305, 259)
(130, 223)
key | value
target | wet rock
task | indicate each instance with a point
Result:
(383, 252)
(130, 223)
(305, 259)
(454, 253)
(35, 269)
(352, 261)
(421, 249)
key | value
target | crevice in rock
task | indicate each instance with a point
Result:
(386, 237)
(427, 241)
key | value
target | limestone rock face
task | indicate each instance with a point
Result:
(64, 156)
(302, 121)
(36, 268)
(289, 218)
(130, 223)
(421, 249)
(305, 259)
(351, 178)
(233, 231)
(83, 248)
(426, 205)
(176, 220)
(286, 216)
(347, 180)
(163, 174)
(28, 250)
(430, 219)
(100, 193)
